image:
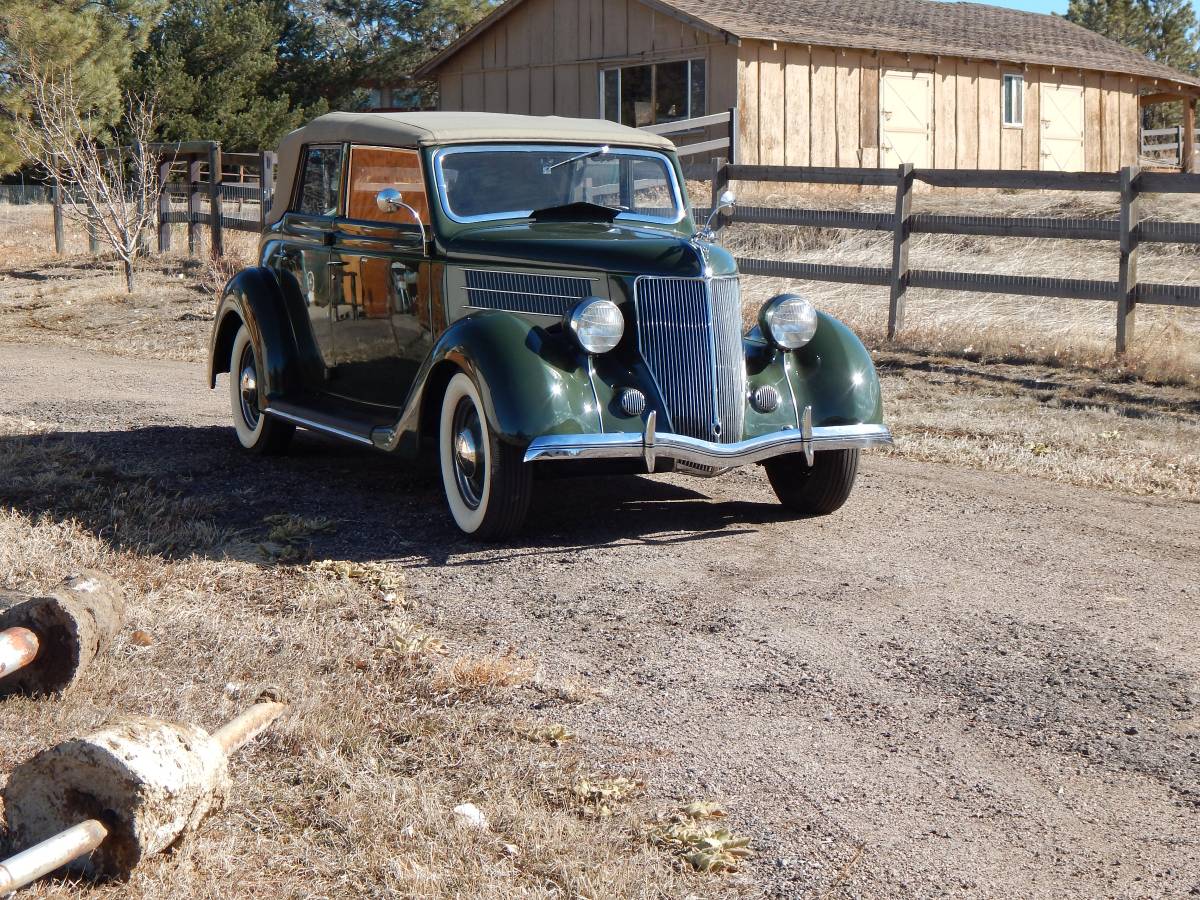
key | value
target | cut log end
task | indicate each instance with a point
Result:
(149, 782)
(72, 625)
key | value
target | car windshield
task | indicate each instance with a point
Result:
(503, 182)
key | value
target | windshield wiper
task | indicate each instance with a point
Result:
(547, 168)
(580, 211)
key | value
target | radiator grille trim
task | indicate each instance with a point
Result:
(525, 292)
(690, 337)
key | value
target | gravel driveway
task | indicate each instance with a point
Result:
(964, 683)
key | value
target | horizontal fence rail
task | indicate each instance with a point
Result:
(236, 199)
(1128, 230)
(727, 143)
(1165, 146)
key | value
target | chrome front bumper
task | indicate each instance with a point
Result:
(650, 445)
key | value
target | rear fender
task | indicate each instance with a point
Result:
(255, 298)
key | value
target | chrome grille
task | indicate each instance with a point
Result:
(525, 292)
(690, 336)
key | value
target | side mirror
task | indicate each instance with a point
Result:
(390, 200)
(725, 201)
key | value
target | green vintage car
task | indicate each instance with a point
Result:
(523, 297)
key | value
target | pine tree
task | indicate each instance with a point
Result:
(211, 65)
(1164, 30)
(1124, 21)
(387, 39)
(94, 40)
(1172, 36)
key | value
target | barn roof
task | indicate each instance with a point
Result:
(971, 30)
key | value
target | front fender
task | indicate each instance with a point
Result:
(255, 298)
(833, 373)
(531, 382)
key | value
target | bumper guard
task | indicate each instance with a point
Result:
(649, 445)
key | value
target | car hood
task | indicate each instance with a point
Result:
(617, 248)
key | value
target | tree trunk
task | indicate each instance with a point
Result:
(128, 275)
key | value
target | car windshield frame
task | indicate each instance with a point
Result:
(574, 149)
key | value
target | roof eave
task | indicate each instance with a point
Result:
(430, 66)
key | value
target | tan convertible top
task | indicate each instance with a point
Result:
(423, 129)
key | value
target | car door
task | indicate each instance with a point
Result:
(308, 233)
(381, 320)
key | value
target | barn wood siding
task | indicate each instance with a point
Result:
(545, 57)
(798, 104)
(812, 105)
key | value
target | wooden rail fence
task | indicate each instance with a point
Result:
(1168, 146)
(1129, 230)
(185, 174)
(727, 143)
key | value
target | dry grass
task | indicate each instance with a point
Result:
(390, 728)
(1045, 423)
(78, 300)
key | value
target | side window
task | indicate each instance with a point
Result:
(1014, 100)
(374, 168)
(321, 181)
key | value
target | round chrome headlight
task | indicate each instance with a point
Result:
(597, 324)
(789, 321)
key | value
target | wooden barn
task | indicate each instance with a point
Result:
(825, 82)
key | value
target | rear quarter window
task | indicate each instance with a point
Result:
(320, 181)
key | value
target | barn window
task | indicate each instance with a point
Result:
(654, 93)
(1014, 100)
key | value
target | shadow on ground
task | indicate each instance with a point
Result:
(178, 490)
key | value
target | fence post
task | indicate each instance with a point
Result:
(195, 204)
(720, 179)
(1187, 151)
(266, 185)
(904, 187)
(217, 238)
(164, 206)
(139, 190)
(93, 235)
(59, 237)
(1130, 217)
(733, 135)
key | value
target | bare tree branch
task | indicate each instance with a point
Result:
(112, 190)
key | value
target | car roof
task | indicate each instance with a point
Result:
(425, 129)
(409, 129)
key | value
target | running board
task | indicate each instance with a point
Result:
(358, 432)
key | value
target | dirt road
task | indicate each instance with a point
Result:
(963, 684)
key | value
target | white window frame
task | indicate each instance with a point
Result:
(1019, 119)
(654, 64)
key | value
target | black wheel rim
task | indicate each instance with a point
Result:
(467, 452)
(248, 387)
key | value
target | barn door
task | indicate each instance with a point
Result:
(1062, 128)
(906, 118)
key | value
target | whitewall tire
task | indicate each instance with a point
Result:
(256, 430)
(488, 485)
